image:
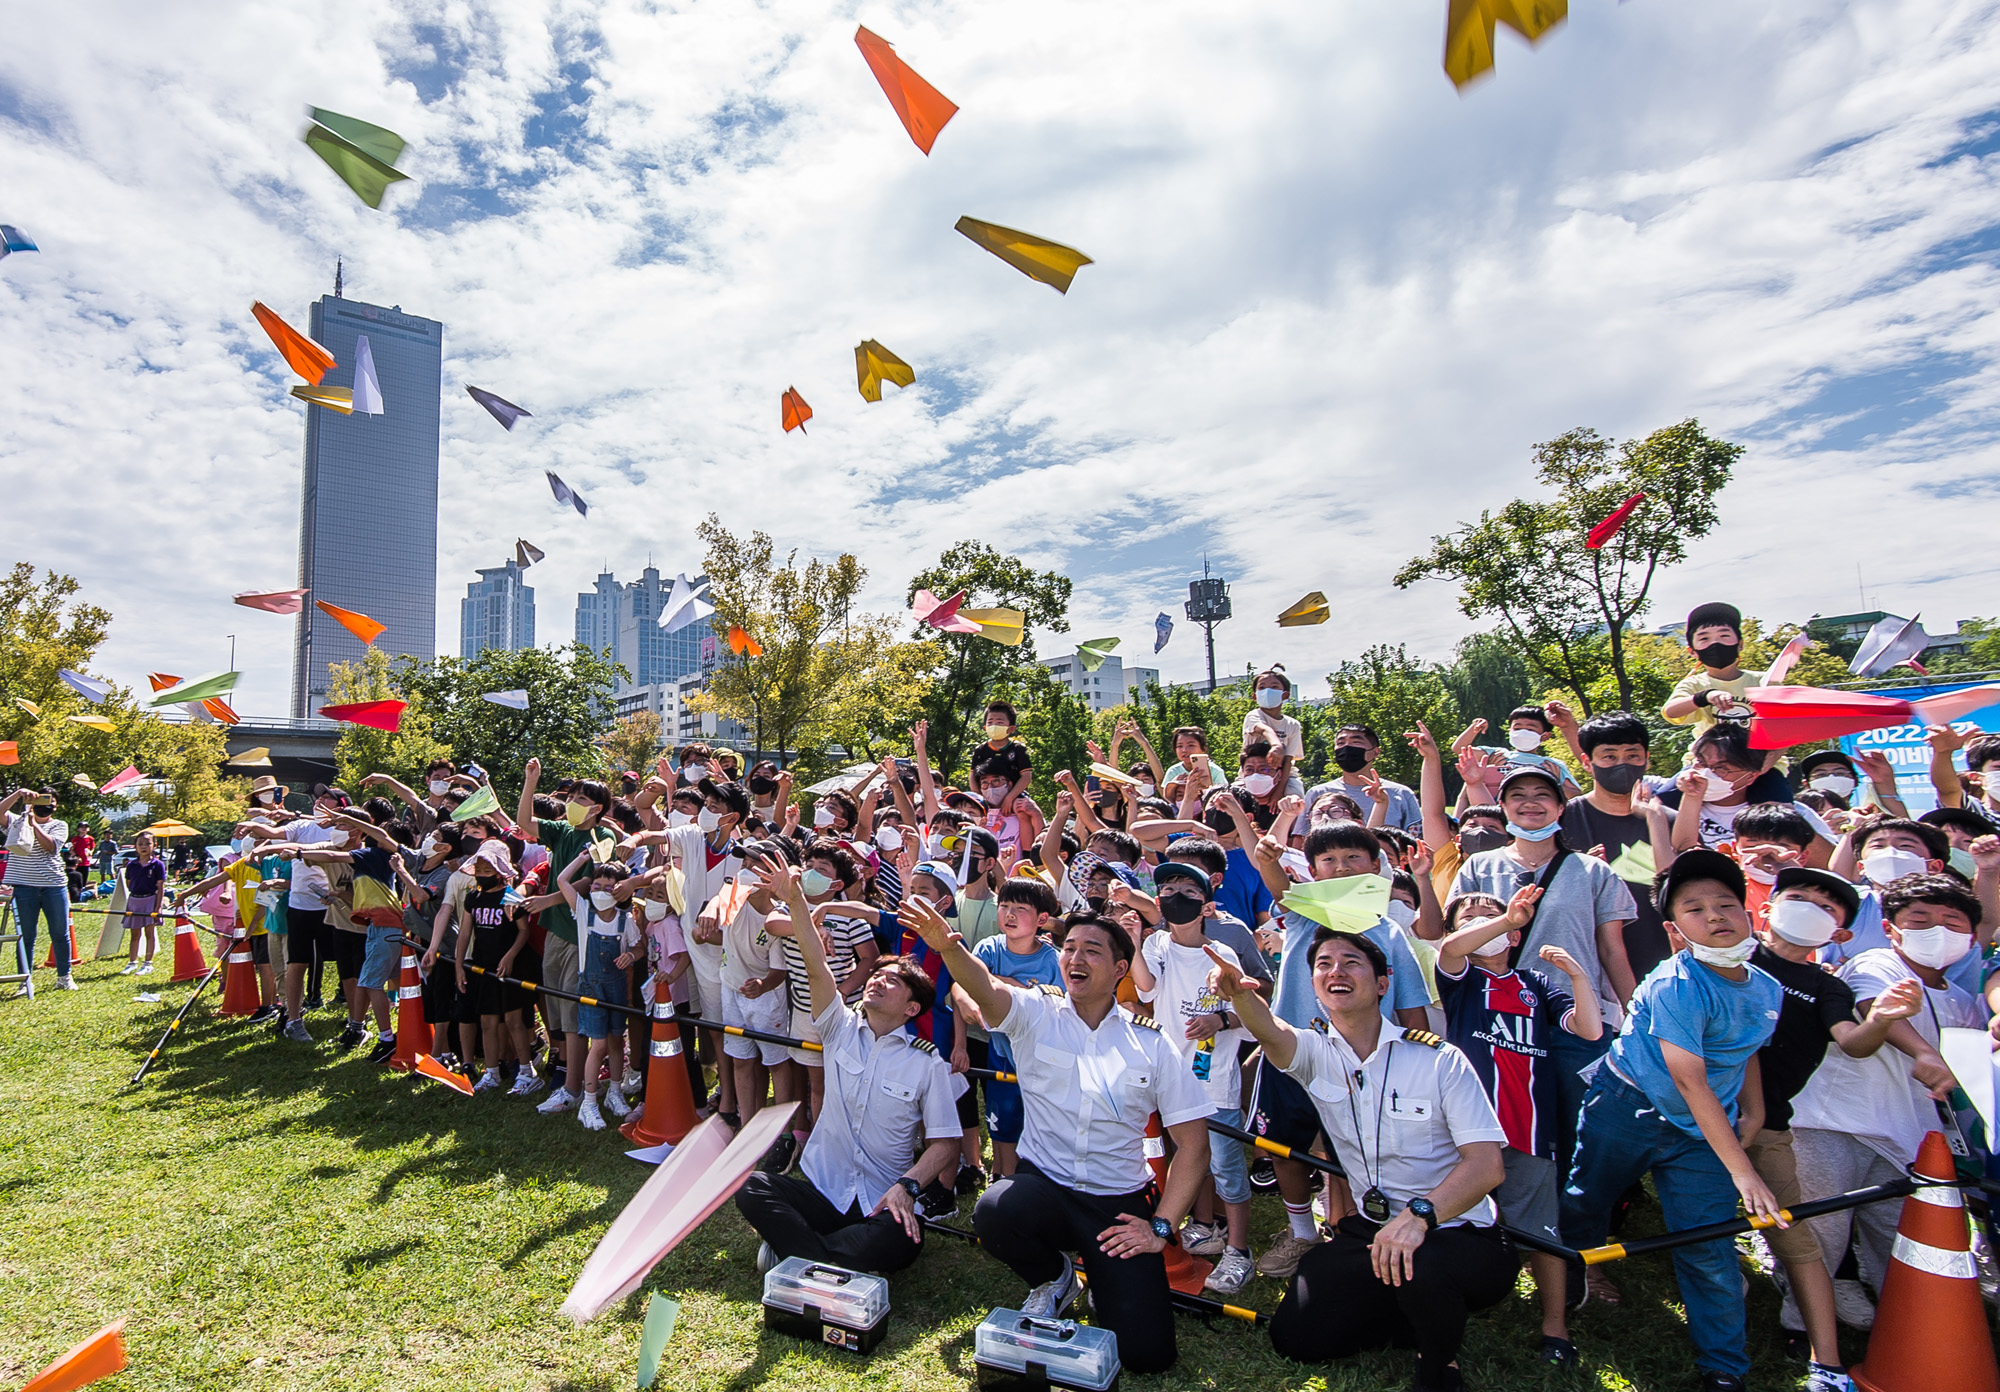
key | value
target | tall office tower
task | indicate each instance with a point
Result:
(597, 616)
(498, 611)
(368, 516)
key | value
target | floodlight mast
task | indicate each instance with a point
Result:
(1208, 605)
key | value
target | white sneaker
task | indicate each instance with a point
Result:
(1232, 1273)
(561, 1100)
(1051, 1298)
(128, 968)
(489, 1081)
(146, 967)
(615, 1103)
(1851, 1305)
(592, 1119)
(1204, 1239)
(633, 1081)
(63, 983)
(766, 1258)
(527, 1083)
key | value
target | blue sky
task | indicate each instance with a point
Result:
(1333, 306)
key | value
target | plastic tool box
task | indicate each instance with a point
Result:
(1016, 1353)
(826, 1304)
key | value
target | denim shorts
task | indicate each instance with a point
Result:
(382, 963)
(1226, 1160)
(600, 980)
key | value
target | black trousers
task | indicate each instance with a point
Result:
(1032, 1223)
(1335, 1306)
(798, 1221)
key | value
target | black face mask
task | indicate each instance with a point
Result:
(1481, 838)
(1179, 908)
(1095, 901)
(1719, 655)
(1617, 778)
(1352, 758)
(761, 786)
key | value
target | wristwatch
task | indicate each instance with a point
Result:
(1424, 1210)
(1164, 1230)
(910, 1186)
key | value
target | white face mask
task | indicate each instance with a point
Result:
(823, 816)
(428, 847)
(1270, 697)
(1752, 871)
(1147, 790)
(440, 786)
(934, 848)
(1724, 956)
(602, 900)
(1719, 785)
(993, 796)
(1258, 784)
(656, 910)
(1937, 947)
(1801, 922)
(1886, 864)
(267, 798)
(708, 821)
(678, 818)
(889, 838)
(1839, 784)
(1527, 741)
(697, 772)
(1400, 914)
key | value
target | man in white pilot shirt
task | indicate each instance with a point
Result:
(885, 1091)
(1421, 1145)
(1091, 1075)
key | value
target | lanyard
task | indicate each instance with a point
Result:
(1372, 1173)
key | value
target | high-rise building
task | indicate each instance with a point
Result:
(368, 515)
(498, 611)
(623, 622)
(1111, 684)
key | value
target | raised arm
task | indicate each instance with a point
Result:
(1152, 759)
(994, 999)
(401, 791)
(926, 785)
(524, 811)
(783, 883)
(1430, 787)
(1264, 854)
(1281, 1043)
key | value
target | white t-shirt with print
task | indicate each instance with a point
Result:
(1181, 993)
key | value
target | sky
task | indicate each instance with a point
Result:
(1333, 305)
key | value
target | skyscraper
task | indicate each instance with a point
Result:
(368, 512)
(498, 611)
(622, 621)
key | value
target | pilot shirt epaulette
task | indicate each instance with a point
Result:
(1056, 991)
(1144, 1021)
(917, 1042)
(1424, 1037)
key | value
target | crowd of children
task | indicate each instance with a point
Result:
(1731, 979)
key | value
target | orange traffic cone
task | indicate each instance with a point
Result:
(239, 978)
(413, 1036)
(669, 1111)
(189, 964)
(1930, 1327)
(1186, 1273)
(99, 1356)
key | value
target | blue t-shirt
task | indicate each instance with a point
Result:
(1685, 1004)
(1038, 968)
(1294, 1001)
(1242, 892)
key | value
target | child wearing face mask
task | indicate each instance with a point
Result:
(1714, 690)
(492, 938)
(1528, 728)
(1004, 755)
(1267, 721)
(611, 943)
(1666, 1099)
(1858, 1121)
(1877, 854)
(1503, 1019)
(1806, 910)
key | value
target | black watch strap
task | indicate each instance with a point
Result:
(910, 1186)
(1164, 1230)
(1426, 1211)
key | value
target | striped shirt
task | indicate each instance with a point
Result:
(27, 862)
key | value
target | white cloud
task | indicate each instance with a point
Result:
(1333, 306)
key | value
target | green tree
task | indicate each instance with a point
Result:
(1218, 715)
(45, 627)
(1489, 676)
(632, 741)
(1562, 601)
(1389, 691)
(972, 666)
(569, 692)
(403, 753)
(825, 674)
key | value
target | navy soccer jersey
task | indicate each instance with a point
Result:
(1504, 1024)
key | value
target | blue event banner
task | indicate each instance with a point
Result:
(1904, 745)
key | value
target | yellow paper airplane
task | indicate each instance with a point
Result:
(95, 722)
(339, 399)
(1310, 610)
(260, 757)
(1051, 263)
(998, 625)
(29, 706)
(874, 365)
(1468, 30)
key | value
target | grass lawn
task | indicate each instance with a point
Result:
(270, 1217)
